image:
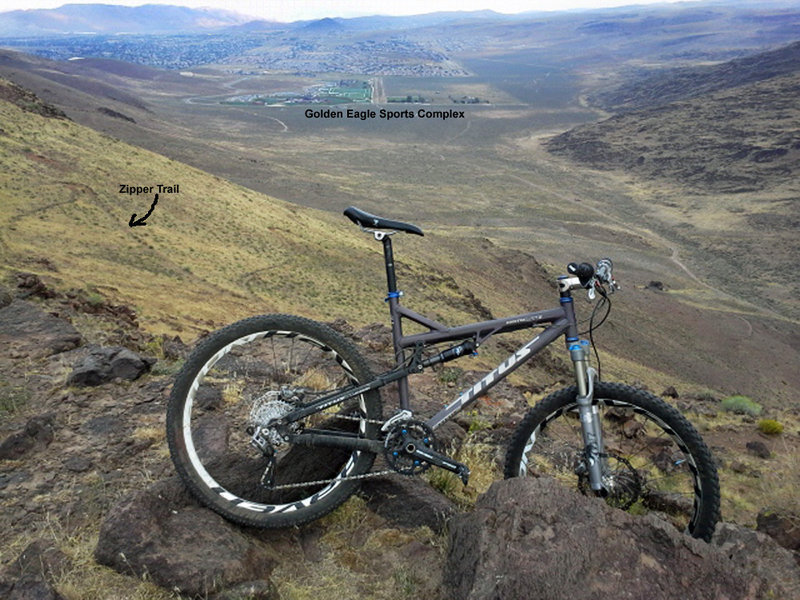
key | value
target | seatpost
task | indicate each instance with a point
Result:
(388, 256)
(393, 298)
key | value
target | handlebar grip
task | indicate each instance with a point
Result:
(584, 272)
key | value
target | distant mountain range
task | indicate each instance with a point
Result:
(163, 19)
(107, 18)
(166, 19)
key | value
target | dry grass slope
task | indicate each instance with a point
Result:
(211, 253)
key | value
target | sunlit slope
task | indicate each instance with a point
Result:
(208, 254)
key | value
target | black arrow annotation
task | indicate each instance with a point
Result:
(134, 222)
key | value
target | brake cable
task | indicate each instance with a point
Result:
(604, 301)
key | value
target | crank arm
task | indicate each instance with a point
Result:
(440, 460)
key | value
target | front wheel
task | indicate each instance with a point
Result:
(653, 459)
(232, 390)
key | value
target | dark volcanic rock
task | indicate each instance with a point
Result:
(105, 364)
(30, 284)
(162, 533)
(27, 330)
(37, 434)
(31, 575)
(534, 538)
(408, 502)
(784, 528)
(117, 115)
(759, 448)
(771, 569)
(5, 297)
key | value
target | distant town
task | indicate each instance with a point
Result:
(248, 53)
(161, 51)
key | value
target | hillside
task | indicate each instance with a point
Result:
(63, 213)
(743, 139)
(669, 85)
(717, 173)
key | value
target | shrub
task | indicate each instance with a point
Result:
(770, 427)
(741, 405)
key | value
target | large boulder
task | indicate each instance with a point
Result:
(106, 364)
(760, 558)
(535, 538)
(163, 534)
(26, 330)
(783, 527)
(408, 502)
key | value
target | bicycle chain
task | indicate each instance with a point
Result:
(369, 475)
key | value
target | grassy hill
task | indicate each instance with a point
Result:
(217, 252)
(213, 251)
(662, 86)
(209, 254)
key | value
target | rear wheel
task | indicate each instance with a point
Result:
(242, 378)
(654, 460)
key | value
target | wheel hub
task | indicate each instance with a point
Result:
(266, 410)
(622, 484)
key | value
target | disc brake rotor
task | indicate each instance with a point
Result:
(622, 483)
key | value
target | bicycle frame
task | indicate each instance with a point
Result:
(562, 322)
(559, 321)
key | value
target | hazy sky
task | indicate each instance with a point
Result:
(293, 10)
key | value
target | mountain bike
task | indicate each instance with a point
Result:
(275, 420)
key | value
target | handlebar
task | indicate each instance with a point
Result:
(586, 276)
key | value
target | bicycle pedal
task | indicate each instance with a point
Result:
(463, 473)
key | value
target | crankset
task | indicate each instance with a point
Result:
(409, 449)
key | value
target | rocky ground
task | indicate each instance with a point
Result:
(91, 507)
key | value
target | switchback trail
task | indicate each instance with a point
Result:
(654, 237)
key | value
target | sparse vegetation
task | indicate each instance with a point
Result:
(481, 459)
(742, 405)
(450, 375)
(770, 426)
(13, 397)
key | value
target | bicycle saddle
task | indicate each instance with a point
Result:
(368, 221)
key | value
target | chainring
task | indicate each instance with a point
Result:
(401, 436)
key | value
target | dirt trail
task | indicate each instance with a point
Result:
(674, 254)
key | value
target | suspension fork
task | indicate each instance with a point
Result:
(594, 461)
(594, 452)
